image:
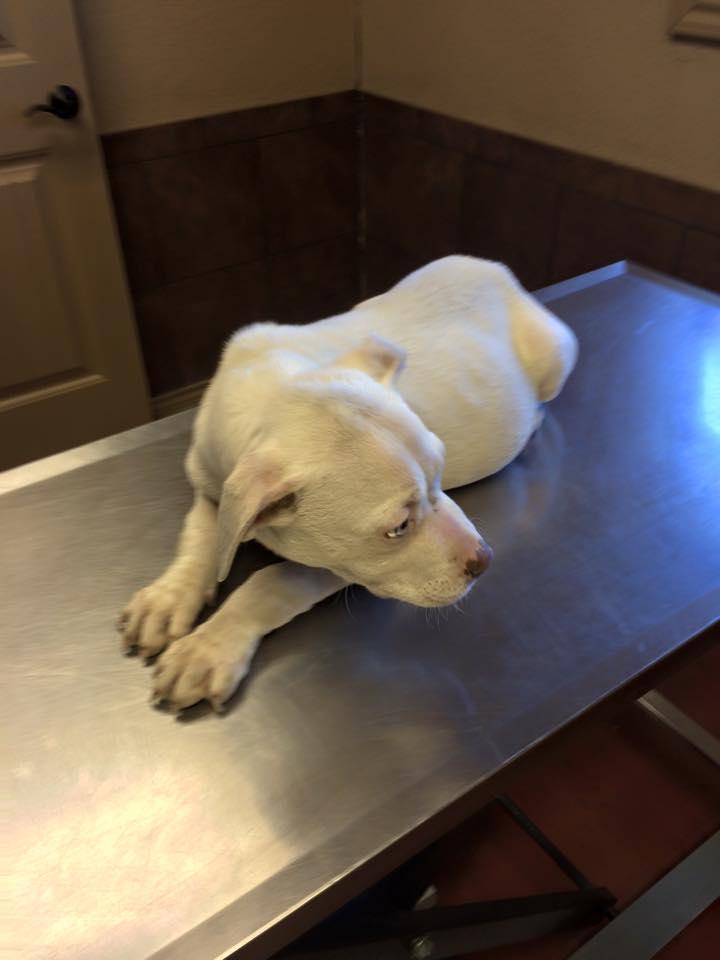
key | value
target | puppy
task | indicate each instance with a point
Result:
(331, 444)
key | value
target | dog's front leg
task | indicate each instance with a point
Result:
(168, 607)
(210, 662)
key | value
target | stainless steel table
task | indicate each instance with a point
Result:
(367, 726)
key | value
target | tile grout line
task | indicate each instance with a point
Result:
(351, 235)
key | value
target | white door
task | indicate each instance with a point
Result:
(70, 367)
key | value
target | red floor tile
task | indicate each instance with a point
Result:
(699, 941)
(696, 690)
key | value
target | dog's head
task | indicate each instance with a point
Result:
(347, 477)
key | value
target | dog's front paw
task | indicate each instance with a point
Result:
(208, 664)
(159, 614)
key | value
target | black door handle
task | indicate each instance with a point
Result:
(63, 103)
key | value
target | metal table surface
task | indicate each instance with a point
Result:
(134, 834)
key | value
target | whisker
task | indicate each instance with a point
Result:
(346, 595)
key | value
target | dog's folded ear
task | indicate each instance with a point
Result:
(377, 357)
(256, 493)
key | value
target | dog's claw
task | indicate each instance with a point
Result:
(158, 614)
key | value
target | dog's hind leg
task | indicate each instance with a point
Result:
(547, 348)
(167, 608)
(210, 663)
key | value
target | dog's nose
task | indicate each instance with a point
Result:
(479, 563)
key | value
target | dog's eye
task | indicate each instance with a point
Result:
(399, 531)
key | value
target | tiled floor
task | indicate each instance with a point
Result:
(625, 801)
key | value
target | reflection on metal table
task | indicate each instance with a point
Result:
(367, 728)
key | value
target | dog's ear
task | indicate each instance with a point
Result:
(379, 358)
(257, 492)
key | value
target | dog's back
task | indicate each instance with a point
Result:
(481, 355)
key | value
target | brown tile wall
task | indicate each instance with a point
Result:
(435, 185)
(294, 211)
(229, 219)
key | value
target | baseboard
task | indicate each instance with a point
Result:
(174, 401)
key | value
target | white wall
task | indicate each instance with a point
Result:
(154, 61)
(597, 76)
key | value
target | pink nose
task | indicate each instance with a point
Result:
(479, 563)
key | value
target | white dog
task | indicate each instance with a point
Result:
(330, 445)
